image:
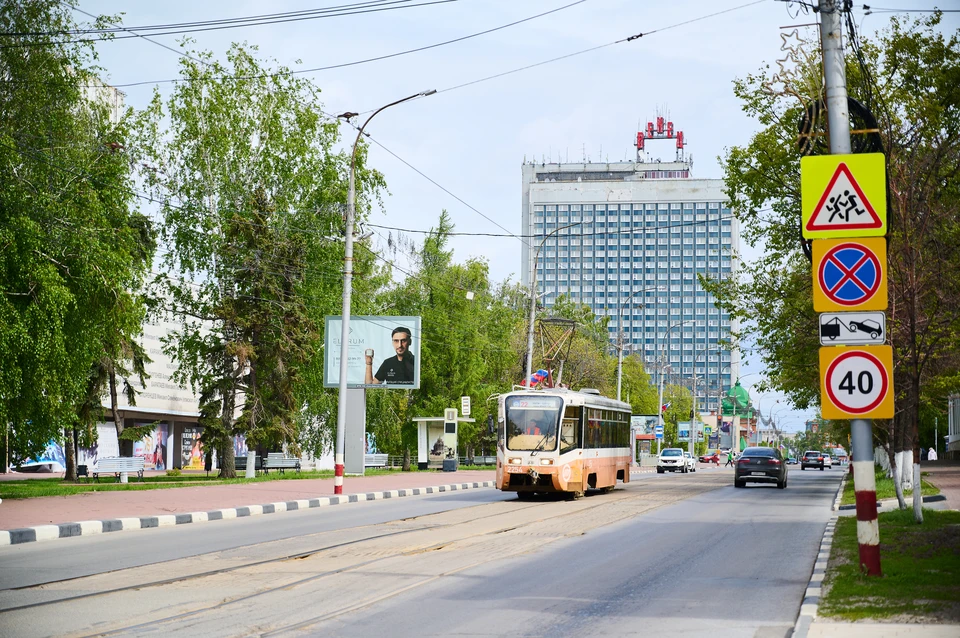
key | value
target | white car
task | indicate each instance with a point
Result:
(671, 459)
(691, 462)
(827, 460)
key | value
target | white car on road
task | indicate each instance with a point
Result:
(671, 459)
(691, 462)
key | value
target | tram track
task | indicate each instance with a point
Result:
(472, 541)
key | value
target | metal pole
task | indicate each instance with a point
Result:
(533, 299)
(861, 430)
(347, 292)
(835, 76)
(619, 359)
(660, 403)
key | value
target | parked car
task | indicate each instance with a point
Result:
(827, 460)
(791, 461)
(671, 459)
(760, 465)
(811, 458)
(691, 462)
(711, 457)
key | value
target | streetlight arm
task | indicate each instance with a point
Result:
(353, 155)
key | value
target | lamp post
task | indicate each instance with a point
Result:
(660, 395)
(348, 289)
(533, 298)
(620, 334)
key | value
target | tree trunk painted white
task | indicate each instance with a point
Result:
(905, 462)
(894, 473)
(881, 456)
(917, 494)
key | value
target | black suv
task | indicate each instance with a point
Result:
(811, 458)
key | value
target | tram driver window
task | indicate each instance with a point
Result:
(570, 429)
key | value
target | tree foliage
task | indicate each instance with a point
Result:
(910, 79)
(74, 248)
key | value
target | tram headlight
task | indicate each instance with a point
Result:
(515, 461)
(546, 461)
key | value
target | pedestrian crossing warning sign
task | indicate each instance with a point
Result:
(843, 196)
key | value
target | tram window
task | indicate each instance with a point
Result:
(570, 431)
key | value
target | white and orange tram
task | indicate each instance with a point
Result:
(561, 441)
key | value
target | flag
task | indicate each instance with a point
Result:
(664, 407)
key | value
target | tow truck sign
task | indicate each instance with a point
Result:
(853, 328)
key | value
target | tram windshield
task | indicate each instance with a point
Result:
(532, 422)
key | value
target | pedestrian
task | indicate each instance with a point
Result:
(932, 456)
(729, 458)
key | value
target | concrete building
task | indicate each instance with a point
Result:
(630, 239)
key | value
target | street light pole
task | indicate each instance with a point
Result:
(533, 299)
(620, 335)
(660, 399)
(348, 290)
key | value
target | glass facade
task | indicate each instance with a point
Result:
(639, 263)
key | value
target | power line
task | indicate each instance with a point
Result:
(366, 60)
(214, 27)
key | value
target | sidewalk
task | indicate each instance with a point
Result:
(53, 510)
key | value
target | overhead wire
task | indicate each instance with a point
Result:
(107, 32)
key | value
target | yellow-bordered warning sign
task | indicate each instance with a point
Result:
(856, 382)
(843, 196)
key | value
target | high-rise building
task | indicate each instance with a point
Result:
(630, 240)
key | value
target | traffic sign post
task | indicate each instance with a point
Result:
(856, 382)
(849, 274)
(843, 196)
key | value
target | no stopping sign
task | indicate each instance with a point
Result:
(856, 382)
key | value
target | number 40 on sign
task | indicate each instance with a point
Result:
(856, 382)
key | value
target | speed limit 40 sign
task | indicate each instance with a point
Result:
(856, 383)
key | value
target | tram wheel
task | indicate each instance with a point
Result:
(607, 490)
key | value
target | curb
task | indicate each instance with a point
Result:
(839, 496)
(811, 597)
(90, 528)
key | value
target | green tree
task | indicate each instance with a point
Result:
(74, 251)
(252, 191)
(909, 78)
(636, 388)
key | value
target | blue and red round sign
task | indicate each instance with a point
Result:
(850, 274)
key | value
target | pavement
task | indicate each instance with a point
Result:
(101, 512)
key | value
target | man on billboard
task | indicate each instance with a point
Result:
(397, 369)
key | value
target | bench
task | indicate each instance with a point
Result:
(82, 471)
(240, 464)
(118, 465)
(374, 460)
(484, 460)
(279, 461)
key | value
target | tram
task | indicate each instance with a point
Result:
(561, 441)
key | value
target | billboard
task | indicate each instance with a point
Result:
(643, 423)
(384, 352)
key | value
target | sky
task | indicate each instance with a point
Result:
(461, 149)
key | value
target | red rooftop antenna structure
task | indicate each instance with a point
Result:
(663, 130)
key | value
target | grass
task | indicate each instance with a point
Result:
(886, 489)
(920, 564)
(33, 488)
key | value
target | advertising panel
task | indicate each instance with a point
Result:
(153, 447)
(191, 450)
(643, 423)
(383, 352)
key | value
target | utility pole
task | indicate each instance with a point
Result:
(861, 430)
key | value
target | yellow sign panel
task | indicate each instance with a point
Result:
(843, 195)
(856, 382)
(850, 274)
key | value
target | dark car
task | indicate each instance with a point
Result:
(760, 465)
(710, 458)
(812, 458)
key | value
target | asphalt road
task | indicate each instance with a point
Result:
(666, 554)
